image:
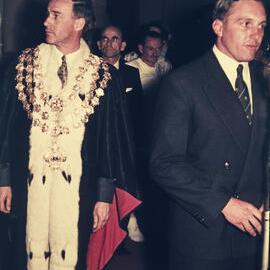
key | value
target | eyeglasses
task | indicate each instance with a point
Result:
(114, 39)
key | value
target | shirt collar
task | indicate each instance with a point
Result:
(70, 57)
(229, 66)
(226, 61)
(117, 64)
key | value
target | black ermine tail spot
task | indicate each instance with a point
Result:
(47, 254)
(82, 97)
(63, 254)
(64, 175)
(43, 179)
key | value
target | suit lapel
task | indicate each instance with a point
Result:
(259, 108)
(223, 98)
(256, 107)
(259, 122)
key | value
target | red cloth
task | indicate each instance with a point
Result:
(104, 242)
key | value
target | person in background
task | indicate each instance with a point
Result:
(163, 65)
(111, 44)
(150, 47)
(208, 146)
(153, 214)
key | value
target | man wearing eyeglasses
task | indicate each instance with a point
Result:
(111, 44)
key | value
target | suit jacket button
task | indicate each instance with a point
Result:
(227, 165)
(202, 219)
(236, 195)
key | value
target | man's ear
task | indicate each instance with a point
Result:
(217, 26)
(140, 47)
(123, 46)
(79, 24)
(99, 44)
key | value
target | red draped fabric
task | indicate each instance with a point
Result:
(104, 242)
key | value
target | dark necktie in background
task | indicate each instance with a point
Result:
(62, 71)
(242, 93)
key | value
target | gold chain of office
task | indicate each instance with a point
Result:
(29, 80)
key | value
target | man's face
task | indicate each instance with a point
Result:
(151, 50)
(241, 32)
(61, 25)
(111, 43)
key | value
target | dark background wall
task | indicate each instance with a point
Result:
(188, 20)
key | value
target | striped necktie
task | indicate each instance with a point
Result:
(242, 93)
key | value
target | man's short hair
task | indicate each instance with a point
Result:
(163, 31)
(222, 7)
(114, 26)
(149, 34)
(83, 9)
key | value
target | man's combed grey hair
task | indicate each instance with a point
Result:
(83, 9)
(222, 7)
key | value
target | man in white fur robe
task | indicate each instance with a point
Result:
(64, 144)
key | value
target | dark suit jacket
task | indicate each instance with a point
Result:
(133, 92)
(204, 153)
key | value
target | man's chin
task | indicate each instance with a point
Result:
(247, 58)
(110, 55)
(250, 53)
(50, 40)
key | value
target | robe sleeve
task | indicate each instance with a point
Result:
(117, 156)
(8, 105)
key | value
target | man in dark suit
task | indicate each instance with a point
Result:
(208, 143)
(111, 43)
